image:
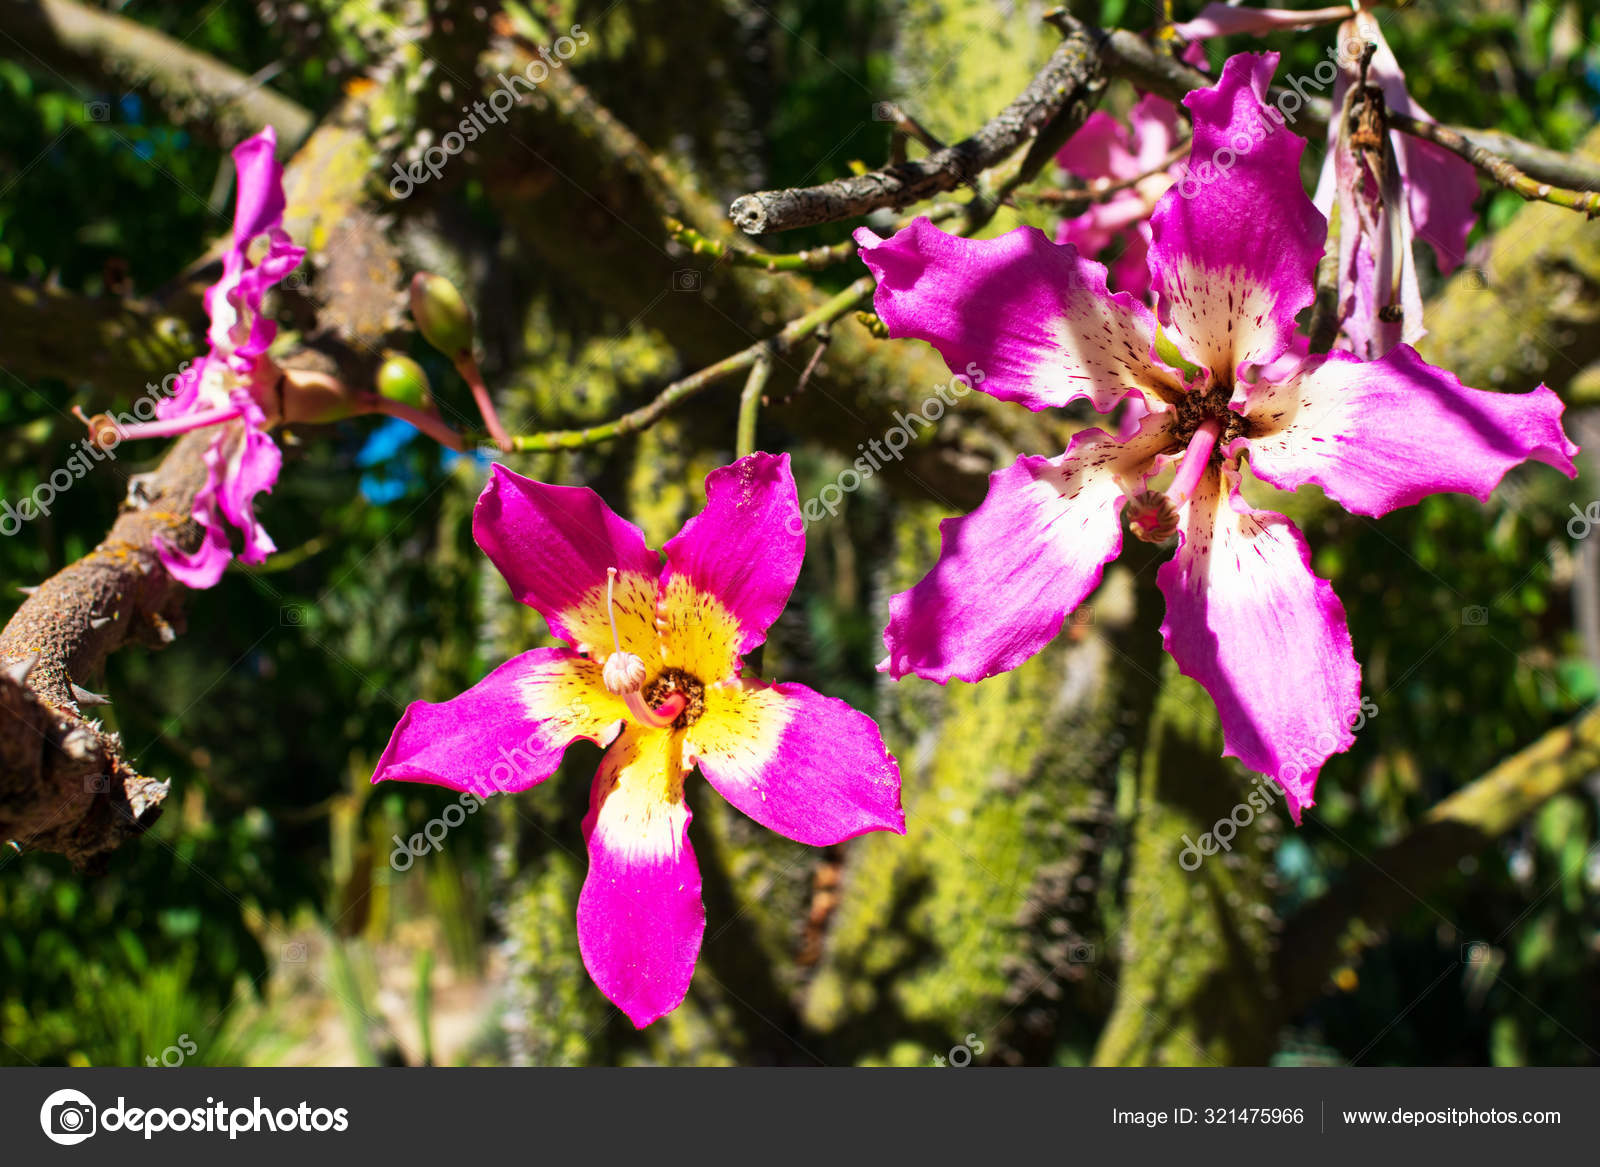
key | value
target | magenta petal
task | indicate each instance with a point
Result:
(1154, 121)
(553, 544)
(1026, 319)
(807, 766)
(260, 202)
(1267, 638)
(1009, 572)
(746, 546)
(1383, 434)
(506, 733)
(185, 396)
(247, 462)
(203, 567)
(1130, 271)
(640, 916)
(1236, 240)
(1100, 149)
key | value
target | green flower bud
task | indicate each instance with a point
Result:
(401, 379)
(441, 314)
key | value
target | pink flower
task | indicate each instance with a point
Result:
(233, 387)
(653, 674)
(1231, 265)
(1102, 150)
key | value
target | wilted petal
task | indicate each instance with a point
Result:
(260, 203)
(202, 567)
(1267, 638)
(745, 548)
(239, 332)
(1236, 240)
(1033, 318)
(246, 461)
(1377, 435)
(640, 916)
(1440, 186)
(807, 766)
(1009, 572)
(506, 733)
(553, 545)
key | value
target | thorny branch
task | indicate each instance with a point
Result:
(64, 785)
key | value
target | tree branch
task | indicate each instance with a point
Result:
(1497, 168)
(1060, 95)
(64, 786)
(73, 38)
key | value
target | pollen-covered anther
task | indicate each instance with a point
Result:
(1152, 517)
(103, 431)
(623, 673)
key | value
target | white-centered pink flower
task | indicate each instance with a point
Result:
(1231, 263)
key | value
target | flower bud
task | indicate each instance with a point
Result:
(401, 379)
(441, 314)
(307, 397)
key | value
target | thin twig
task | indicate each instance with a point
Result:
(811, 259)
(908, 126)
(680, 391)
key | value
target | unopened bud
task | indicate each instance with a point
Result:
(623, 673)
(307, 397)
(441, 314)
(401, 379)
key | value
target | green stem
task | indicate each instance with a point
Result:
(750, 404)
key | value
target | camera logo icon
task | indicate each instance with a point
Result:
(68, 1117)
